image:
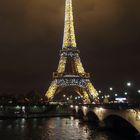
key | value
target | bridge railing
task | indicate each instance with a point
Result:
(116, 106)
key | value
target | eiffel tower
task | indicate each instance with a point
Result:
(70, 72)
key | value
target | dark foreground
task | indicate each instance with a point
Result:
(52, 129)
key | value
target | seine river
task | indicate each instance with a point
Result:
(52, 129)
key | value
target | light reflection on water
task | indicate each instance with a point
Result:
(51, 129)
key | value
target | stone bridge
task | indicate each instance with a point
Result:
(123, 116)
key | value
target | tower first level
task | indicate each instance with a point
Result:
(70, 73)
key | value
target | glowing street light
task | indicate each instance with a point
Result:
(108, 96)
(129, 84)
(23, 108)
(100, 91)
(67, 98)
(116, 95)
(17, 107)
(138, 91)
(64, 96)
(100, 109)
(126, 93)
(34, 106)
(71, 106)
(110, 88)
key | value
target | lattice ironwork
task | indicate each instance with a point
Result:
(77, 79)
(69, 33)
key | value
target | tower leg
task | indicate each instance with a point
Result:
(86, 97)
(83, 94)
(51, 91)
(91, 91)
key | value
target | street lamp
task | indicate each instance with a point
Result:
(64, 96)
(129, 84)
(116, 95)
(138, 91)
(125, 93)
(71, 106)
(110, 88)
(100, 91)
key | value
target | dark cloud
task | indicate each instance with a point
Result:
(31, 34)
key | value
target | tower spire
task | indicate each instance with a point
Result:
(69, 33)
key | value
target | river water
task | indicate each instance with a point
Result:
(52, 129)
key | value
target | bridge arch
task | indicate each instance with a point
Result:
(92, 117)
(80, 114)
(120, 125)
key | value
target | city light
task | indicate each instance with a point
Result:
(108, 96)
(129, 84)
(110, 88)
(23, 108)
(76, 107)
(1, 106)
(17, 107)
(84, 108)
(101, 109)
(71, 106)
(35, 106)
(64, 96)
(126, 93)
(138, 91)
(116, 95)
(10, 102)
(100, 91)
(67, 98)
(120, 100)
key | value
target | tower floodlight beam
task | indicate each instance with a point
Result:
(70, 71)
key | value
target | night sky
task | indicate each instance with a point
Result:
(31, 34)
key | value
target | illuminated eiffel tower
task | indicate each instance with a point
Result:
(70, 72)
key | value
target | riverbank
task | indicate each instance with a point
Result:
(27, 116)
